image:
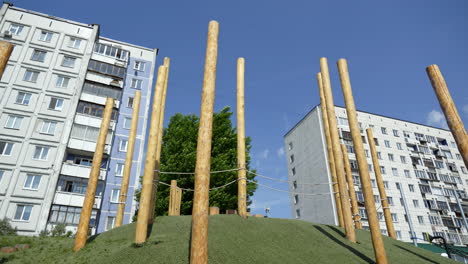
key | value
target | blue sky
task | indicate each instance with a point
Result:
(388, 44)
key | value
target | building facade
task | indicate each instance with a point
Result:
(422, 160)
(52, 96)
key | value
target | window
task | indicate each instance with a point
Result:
(139, 66)
(385, 184)
(380, 216)
(394, 217)
(398, 234)
(463, 169)
(127, 122)
(16, 29)
(349, 149)
(108, 50)
(107, 69)
(420, 219)
(416, 203)
(290, 146)
(296, 199)
(30, 76)
(384, 130)
(110, 222)
(453, 144)
(298, 213)
(294, 184)
(130, 102)
(5, 148)
(382, 169)
(390, 157)
(123, 145)
(447, 154)
(291, 158)
(387, 143)
(411, 187)
(395, 171)
(56, 103)
(23, 98)
(102, 90)
(2, 172)
(407, 174)
(68, 61)
(119, 169)
(62, 81)
(74, 43)
(32, 182)
(293, 171)
(420, 174)
(69, 215)
(342, 121)
(362, 213)
(395, 133)
(96, 110)
(403, 159)
(38, 55)
(373, 183)
(377, 199)
(439, 164)
(23, 212)
(367, 153)
(14, 122)
(41, 153)
(136, 84)
(390, 200)
(379, 155)
(458, 156)
(353, 164)
(370, 167)
(115, 196)
(48, 127)
(46, 36)
(399, 146)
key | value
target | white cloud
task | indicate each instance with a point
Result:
(264, 154)
(280, 152)
(436, 118)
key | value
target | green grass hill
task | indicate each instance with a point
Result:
(231, 240)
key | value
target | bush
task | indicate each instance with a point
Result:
(58, 230)
(44, 233)
(6, 228)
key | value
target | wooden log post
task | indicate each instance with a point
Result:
(150, 162)
(377, 242)
(214, 210)
(178, 201)
(172, 198)
(241, 173)
(166, 63)
(454, 121)
(380, 185)
(128, 160)
(331, 159)
(337, 154)
(6, 48)
(352, 192)
(199, 242)
(85, 216)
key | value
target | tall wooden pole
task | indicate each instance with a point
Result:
(377, 242)
(172, 198)
(241, 173)
(178, 201)
(331, 159)
(337, 154)
(454, 121)
(128, 160)
(6, 48)
(199, 242)
(380, 185)
(352, 192)
(85, 216)
(167, 63)
(150, 162)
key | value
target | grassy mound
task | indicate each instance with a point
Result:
(231, 240)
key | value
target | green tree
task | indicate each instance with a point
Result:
(179, 152)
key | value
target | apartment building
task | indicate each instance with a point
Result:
(52, 97)
(422, 160)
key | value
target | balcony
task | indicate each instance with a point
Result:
(97, 99)
(74, 199)
(107, 80)
(81, 171)
(91, 121)
(88, 146)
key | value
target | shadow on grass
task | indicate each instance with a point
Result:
(416, 254)
(351, 249)
(336, 230)
(92, 238)
(149, 230)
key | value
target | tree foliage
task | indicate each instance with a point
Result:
(179, 152)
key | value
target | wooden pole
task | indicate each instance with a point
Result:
(178, 201)
(172, 198)
(6, 48)
(377, 242)
(454, 121)
(85, 216)
(352, 192)
(154, 191)
(199, 243)
(214, 210)
(380, 185)
(150, 162)
(335, 140)
(128, 160)
(241, 173)
(331, 159)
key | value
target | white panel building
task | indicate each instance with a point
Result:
(423, 160)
